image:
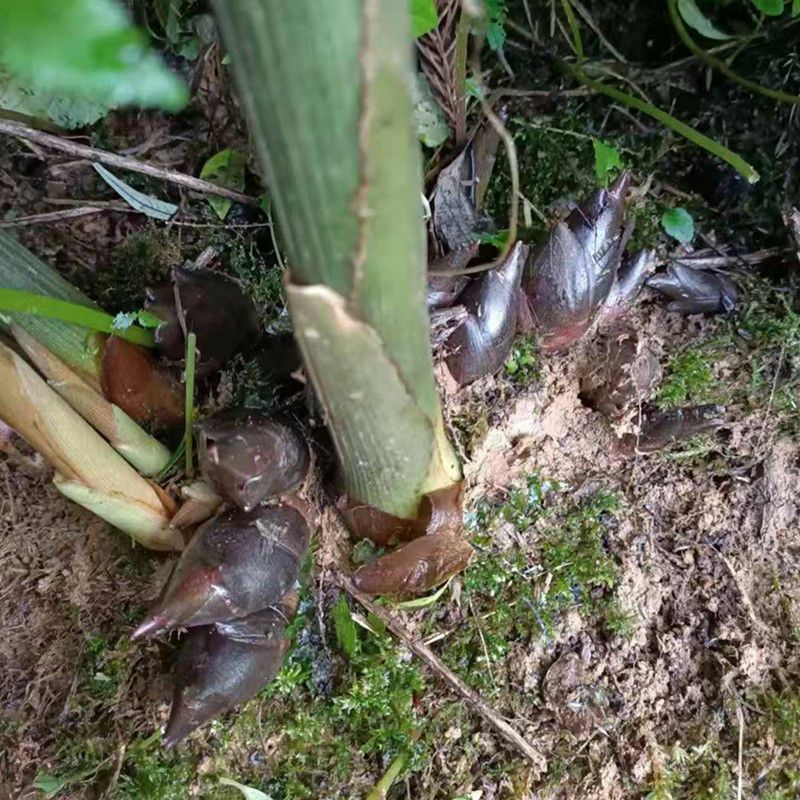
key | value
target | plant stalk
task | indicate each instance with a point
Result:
(88, 470)
(135, 445)
(75, 345)
(343, 168)
(719, 65)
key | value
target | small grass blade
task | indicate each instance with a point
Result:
(22, 302)
(191, 354)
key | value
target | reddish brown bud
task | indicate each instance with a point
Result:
(235, 564)
(439, 512)
(222, 665)
(568, 278)
(213, 307)
(481, 343)
(416, 567)
(695, 291)
(249, 457)
(144, 390)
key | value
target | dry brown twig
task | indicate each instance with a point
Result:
(422, 651)
(59, 216)
(122, 162)
(437, 51)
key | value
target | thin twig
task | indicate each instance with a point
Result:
(122, 162)
(56, 216)
(589, 20)
(422, 651)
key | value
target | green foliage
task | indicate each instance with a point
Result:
(679, 224)
(696, 19)
(772, 8)
(688, 378)
(86, 744)
(142, 260)
(226, 169)
(345, 628)
(84, 49)
(18, 301)
(607, 161)
(521, 364)
(496, 12)
(66, 112)
(430, 121)
(423, 17)
(369, 717)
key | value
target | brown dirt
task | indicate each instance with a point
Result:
(710, 569)
(65, 579)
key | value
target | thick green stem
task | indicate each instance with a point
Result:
(327, 90)
(73, 344)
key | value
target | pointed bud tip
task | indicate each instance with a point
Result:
(151, 626)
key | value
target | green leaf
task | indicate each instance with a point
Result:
(66, 112)
(795, 8)
(346, 633)
(51, 785)
(429, 119)
(376, 623)
(248, 791)
(423, 17)
(226, 168)
(423, 602)
(147, 319)
(679, 224)
(772, 8)
(143, 203)
(22, 302)
(606, 160)
(696, 19)
(496, 13)
(84, 49)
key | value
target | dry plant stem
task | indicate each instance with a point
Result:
(422, 651)
(460, 75)
(88, 470)
(136, 446)
(122, 162)
(55, 216)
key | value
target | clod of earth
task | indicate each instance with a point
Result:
(662, 428)
(249, 457)
(695, 291)
(224, 664)
(236, 564)
(210, 305)
(627, 375)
